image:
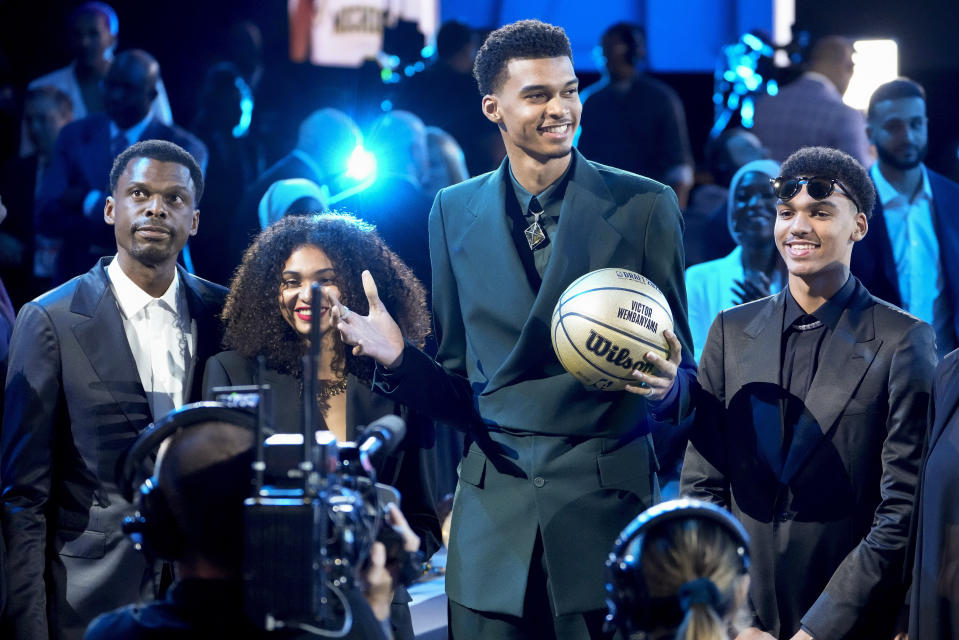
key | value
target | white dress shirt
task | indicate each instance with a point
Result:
(162, 337)
(915, 249)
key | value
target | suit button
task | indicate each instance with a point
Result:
(784, 517)
(538, 482)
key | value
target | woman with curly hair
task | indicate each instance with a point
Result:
(268, 314)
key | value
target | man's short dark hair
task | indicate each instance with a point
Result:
(162, 151)
(894, 90)
(526, 39)
(451, 38)
(825, 162)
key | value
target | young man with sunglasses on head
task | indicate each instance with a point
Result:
(810, 416)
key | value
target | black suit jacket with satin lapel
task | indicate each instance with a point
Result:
(828, 518)
(590, 468)
(875, 266)
(74, 403)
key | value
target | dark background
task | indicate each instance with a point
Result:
(187, 36)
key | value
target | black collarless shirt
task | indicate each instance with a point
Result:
(803, 335)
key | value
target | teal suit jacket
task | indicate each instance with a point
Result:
(547, 454)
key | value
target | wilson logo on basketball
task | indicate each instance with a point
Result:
(605, 323)
(617, 355)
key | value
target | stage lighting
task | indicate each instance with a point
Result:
(361, 165)
(246, 108)
(875, 62)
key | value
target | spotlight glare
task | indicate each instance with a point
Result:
(361, 165)
(875, 62)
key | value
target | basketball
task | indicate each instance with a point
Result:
(605, 323)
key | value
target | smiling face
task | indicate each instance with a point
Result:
(536, 107)
(306, 265)
(754, 210)
(815, 237)
(152, 211)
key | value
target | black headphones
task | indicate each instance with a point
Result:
(153, 527)
(630, 606)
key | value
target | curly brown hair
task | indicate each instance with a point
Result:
(254, 325)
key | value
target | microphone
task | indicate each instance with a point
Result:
(382, 435)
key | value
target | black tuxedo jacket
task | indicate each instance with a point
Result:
(829, 519)
(74, 403)
(549, 457)
(875, 266)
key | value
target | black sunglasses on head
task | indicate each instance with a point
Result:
(818, 188)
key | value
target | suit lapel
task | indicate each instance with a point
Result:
(847, 354)
(583, 221)
(103, 340)
(488, 249)
(887, 261)
(761, 363)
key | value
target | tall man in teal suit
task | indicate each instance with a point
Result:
(553, 470)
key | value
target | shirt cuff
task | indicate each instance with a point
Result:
(668, 406)
(387, 379)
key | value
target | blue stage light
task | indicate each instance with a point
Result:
(386, 105)
(246, 108)
(361, 165)
(427, 51)
(747, 112)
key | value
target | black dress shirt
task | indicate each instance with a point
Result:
(803, 335)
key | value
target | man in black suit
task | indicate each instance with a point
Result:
(92, 363)
(810, 418)
(553, 470)
(911, 258)
(73, 188)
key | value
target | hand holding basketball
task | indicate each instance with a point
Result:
(655, 386)
(375, 335)
(604, 326)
